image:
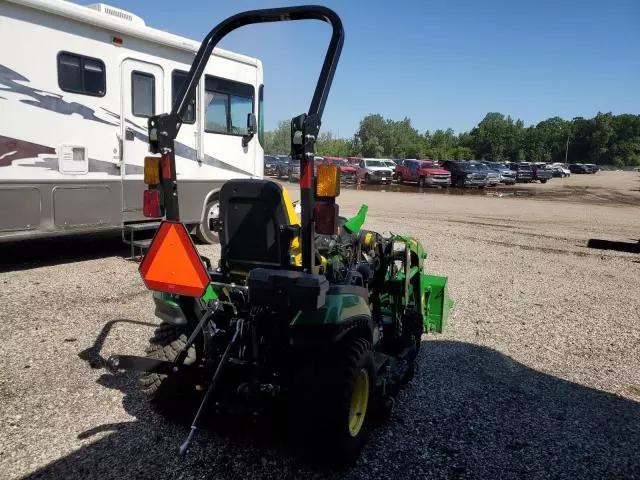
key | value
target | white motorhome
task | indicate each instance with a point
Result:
(77, 85)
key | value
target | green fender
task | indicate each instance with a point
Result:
(338, 308)
(342, 312)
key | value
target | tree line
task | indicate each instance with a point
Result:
(605, 139)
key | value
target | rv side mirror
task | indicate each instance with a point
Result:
(251, 129)
(252, 123)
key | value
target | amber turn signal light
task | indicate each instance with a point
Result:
(328, 181)
(152, 170)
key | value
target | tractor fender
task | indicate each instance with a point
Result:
(360, 326)
(341, 314)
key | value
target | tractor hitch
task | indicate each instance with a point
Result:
(140, 364)
(207, 396)
(164, 367)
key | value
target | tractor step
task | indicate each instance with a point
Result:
(139, 236)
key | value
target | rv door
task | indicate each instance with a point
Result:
(142, 96)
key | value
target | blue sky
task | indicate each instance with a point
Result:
(443, 63)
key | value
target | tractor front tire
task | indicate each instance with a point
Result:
(173, 395)
(340, 403)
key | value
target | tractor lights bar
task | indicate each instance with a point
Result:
(156, 170)
(326, 209)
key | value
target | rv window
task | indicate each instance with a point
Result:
(217, 112)
(177, 79)
(143, 94)
(227, 104)
(79, 74)
(240, 108)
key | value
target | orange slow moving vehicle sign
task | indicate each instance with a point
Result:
(172, 263)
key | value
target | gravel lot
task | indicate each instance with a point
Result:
(538, 375)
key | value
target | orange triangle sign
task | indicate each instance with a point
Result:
(172, 263)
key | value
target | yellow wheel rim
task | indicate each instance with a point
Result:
(359, 403)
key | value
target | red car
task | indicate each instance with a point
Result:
(347, 170)
(423, 172)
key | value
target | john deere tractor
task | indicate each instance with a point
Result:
(314, 313)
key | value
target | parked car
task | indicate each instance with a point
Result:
(524, 173)
(493, 175)
(282, 169)
(579, 168)
(293, 170)
(507, 176)
(465, 174)
(424, 172)
(271, 164)
(347, 170)
(392, 165)
(541, 173)
(398, 163)
(371, 170)
(559, 170)
(593, 168)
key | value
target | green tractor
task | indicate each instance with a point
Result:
(314, 313)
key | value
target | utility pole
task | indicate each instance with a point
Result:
(566, 152)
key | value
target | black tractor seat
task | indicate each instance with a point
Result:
(257, 225)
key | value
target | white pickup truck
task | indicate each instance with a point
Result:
(371, 170)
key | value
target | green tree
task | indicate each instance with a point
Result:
(278, 142)
(604, 139)
(329, 146)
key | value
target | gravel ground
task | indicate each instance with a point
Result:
(538, 375)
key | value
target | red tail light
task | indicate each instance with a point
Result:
(326, 217)
(151, 203)
(166, 166)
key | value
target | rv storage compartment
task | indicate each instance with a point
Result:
(284, 289)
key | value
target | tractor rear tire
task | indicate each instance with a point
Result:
(339, 404)
(173, 395)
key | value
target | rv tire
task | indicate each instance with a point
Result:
(203, 233)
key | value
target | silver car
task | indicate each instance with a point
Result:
(507, 176)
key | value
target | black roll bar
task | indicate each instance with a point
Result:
(304, 12)
(163, 129)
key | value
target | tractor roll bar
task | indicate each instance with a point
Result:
(306, 12)
(163, 129)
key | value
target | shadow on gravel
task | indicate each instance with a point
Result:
(93, 354)
(614, 245)
(34, 253)
(470, 412)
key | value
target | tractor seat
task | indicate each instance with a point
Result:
(257, 226)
